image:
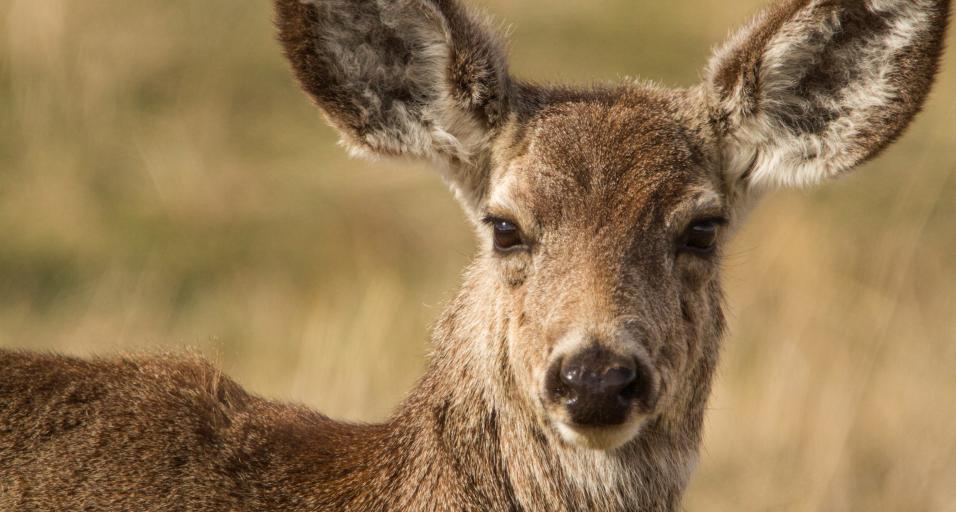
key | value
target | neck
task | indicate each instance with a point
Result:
(465, 437)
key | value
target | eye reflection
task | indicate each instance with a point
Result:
(506, 235)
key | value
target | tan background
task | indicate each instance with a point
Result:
(163, 184)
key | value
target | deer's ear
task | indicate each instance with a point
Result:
(814, 87)
(420, 78)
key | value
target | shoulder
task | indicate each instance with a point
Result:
(177, 385)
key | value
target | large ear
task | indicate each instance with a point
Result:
(814, 87)
(421, 78)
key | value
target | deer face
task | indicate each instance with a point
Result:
(603, 235)
(601, 213)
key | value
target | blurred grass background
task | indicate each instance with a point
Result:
(163, 184)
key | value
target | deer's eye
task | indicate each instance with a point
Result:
(701, 236)
(507, 236)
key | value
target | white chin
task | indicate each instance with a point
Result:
(599, 438)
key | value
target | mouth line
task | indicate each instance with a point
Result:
(605, 438)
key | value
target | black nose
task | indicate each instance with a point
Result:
(599, 387)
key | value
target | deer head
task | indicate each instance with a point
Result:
(601, 213)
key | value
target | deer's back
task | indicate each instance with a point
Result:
(161, 433)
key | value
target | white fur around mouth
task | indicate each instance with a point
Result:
(600, 438)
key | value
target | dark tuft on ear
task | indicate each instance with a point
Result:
(812, 88)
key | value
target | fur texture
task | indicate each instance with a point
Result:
(605, 186)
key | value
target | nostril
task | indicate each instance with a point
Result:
(556, 384)
(597, 372)
(619, 377)
(642, 388)
(598, 378)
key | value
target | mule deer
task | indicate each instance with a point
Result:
(573, 369)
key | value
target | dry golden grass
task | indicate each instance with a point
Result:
(163, 184)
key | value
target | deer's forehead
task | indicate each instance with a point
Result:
(627, 158)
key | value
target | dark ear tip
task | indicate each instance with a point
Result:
(296, 22)
(291, 19)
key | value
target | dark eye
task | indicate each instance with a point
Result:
(507, 236)
(701, 236)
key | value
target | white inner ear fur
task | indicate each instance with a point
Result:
(775, 156)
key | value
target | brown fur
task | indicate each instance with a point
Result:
(604, 184)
